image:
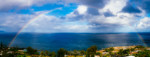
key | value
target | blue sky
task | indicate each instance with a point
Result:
(78, 16)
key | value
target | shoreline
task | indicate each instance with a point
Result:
(91, 51)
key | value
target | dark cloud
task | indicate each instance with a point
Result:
(94, 3)
(7, 5)
(129, 8)
(78, 16)
(108, 14)
(23, 4)
(93, 11)
(62, 17)
(13, 22)
(106, 27)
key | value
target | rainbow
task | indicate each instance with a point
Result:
(29, 22)
(140, 37)
(36, 17)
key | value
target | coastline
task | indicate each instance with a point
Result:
(92, 51)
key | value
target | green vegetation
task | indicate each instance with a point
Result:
(138, 51)
(31, 51)
(123, 52)
(61, 52)
(91, 51)
(109, 49)
(52, 54)
(82, 52)
(145, 53)
(140, 47)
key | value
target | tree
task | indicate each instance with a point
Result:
(75, 53)
(132, 49)
(53, 54)
(42, 53)
(82, 52)
(2, 46)
(145, 53)
(47, 53)
(140, 47)
(31, 51)
(120, 53)
(7, 55)
(123, 52)
(98, 53)
(61, 52)
(91, 51)
(109, 49)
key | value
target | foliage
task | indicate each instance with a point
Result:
(132, 49)
(53, 54)
(139, 47)
(61, 52)
(47, 53)
(82, 52)
(109, 49)
(91, 51)
(75, 53)
(21, 56)
(2, 46)
(31, 51)
(123, 52)
(42, 53)
(7, 55)
(98, 53)
(107, 55)
(15, 49)
(145, 53)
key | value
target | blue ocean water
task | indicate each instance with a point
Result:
(71, 41)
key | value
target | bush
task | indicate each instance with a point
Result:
(123, 52)
(139, 47)
(31, 51)
(61, 52)
(145, 53)
(82, 52)
(91, 51)
(109, 49)
(53, 54)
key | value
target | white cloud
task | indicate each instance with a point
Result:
(120, 20)
(52, 24)
(82, 9)
(83, 22)
(19, 4)
(144, 23)
(114, 6)
(13, 22)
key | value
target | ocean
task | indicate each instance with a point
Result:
(71, 41)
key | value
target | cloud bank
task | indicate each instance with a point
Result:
(90, 16)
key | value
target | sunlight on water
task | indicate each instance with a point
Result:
(76, 40)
